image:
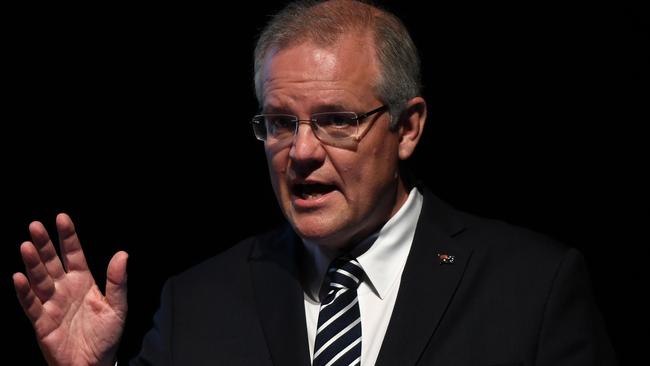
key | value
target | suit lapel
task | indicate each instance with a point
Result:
(279, 299)
(427, 286)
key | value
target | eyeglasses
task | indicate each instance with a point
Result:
(332, 128)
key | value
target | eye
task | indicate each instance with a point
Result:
(279, 122)
(336, 120)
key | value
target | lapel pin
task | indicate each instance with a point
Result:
(446, 258)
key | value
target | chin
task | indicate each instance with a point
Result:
(314, 229)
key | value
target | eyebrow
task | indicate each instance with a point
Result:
(279, 108)
(328, 107)
(331, 107)
(276, 110)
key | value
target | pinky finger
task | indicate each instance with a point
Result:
(30, 303)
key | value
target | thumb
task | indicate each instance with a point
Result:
(116, 283)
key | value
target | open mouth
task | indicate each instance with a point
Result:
(310, 191)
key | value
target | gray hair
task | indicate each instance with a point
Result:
(325, 22)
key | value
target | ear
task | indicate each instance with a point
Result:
(411, 126)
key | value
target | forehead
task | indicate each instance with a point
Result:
(344, 72)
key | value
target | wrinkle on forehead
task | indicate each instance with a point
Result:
(324, 100)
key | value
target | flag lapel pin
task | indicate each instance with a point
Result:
(446, 258)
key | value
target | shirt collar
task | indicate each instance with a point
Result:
(382, 255)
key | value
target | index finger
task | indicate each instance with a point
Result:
(46, 250)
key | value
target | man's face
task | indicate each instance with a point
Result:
(333, 196)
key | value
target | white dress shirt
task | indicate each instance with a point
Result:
(382, 256)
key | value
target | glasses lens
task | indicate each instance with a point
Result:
(279, 126)
(259, 128)
(273, 126)
(337, 125)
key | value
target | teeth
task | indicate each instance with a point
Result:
(310, 196)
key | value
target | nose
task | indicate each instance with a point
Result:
(306, 150)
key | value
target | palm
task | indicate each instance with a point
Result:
(75, 324)
(67, 326)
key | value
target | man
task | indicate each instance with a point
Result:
(372, 268)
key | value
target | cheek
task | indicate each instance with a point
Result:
(364, 167)
(377, 169)
(276, 161)
(277, 165)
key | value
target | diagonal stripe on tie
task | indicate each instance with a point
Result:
(337, 315)
(338, 336)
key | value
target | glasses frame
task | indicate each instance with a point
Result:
(259, 119)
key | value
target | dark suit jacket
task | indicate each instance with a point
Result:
(511, 297)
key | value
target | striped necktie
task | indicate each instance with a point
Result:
(338, 337)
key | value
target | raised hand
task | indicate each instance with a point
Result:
(75, 324)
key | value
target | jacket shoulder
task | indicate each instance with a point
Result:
(227, 267)
(503, 237)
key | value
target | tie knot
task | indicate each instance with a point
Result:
(345, 272)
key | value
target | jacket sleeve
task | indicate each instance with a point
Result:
(572, 331)
(156, 346)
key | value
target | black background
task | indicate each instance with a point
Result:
(134, 121)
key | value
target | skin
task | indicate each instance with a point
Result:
(307, 78)
(75, 324)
